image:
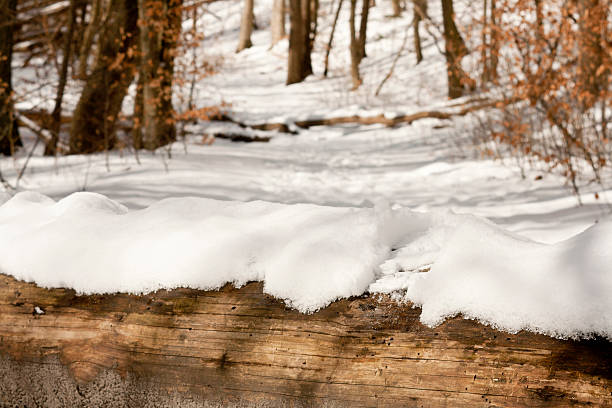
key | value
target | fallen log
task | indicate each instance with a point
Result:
(451, 111)
(240, 347)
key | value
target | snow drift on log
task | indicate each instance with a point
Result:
(310, 255)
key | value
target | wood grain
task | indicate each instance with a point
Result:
(242, 347)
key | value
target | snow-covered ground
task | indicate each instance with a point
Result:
(413, 210)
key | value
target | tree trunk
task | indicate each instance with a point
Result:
(363, 29)
(93, 126)
(138, 113)
(455, 50)
(309, 11)
(243, 348)
(331, 37)
(420, 11)
(246, 26)
(9, 133)
(297, 69)
(494, 40)
(158, 47)
(354, 46)
(397, 8)
(277, 21)
(490, 43)
(89, 34)
(56, 115)
(591, 24)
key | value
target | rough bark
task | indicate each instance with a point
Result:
(93, 126)
(56, 115)
(9, 133)
(239, 347)
(246, 26)
(298, 62)
(277, 22)
(455, 50)
(159, 30)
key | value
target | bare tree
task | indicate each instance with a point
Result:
(490, 42)
(98, 8)
(356, 78)
(357, 45)
(455, 50)
(277, 21)
(299, 64)
(158, 42)
(9, 134)
(420, 14)
(56, 115)
(246, 26)
(331, 37)
(93, 124)
(363, 28)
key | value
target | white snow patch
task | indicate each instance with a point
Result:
(310, 255)
(306, 254)
(505, 280)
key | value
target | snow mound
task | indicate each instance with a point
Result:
(306, 254)
(507, 281)
(311, 255)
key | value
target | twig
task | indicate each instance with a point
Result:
(25, 165)
(397, 57)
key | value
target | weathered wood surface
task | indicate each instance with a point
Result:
(240, 347)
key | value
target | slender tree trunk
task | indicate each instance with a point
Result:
(298, 68)
(494, 40)
(277, 21)
(331, 37)
(420, 11)
(309, 9)
(157, 69)
(246, 26)
(93, 126)
(56, 115)
(363, 28)
(88, 36)
(490, 42)
(354, 48)
(137, 115)
(9, 133)
(485, 46)
(397, 8)
(455, 50)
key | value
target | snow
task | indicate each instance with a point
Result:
(311, 255)
(308, 255)
(508, 281)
